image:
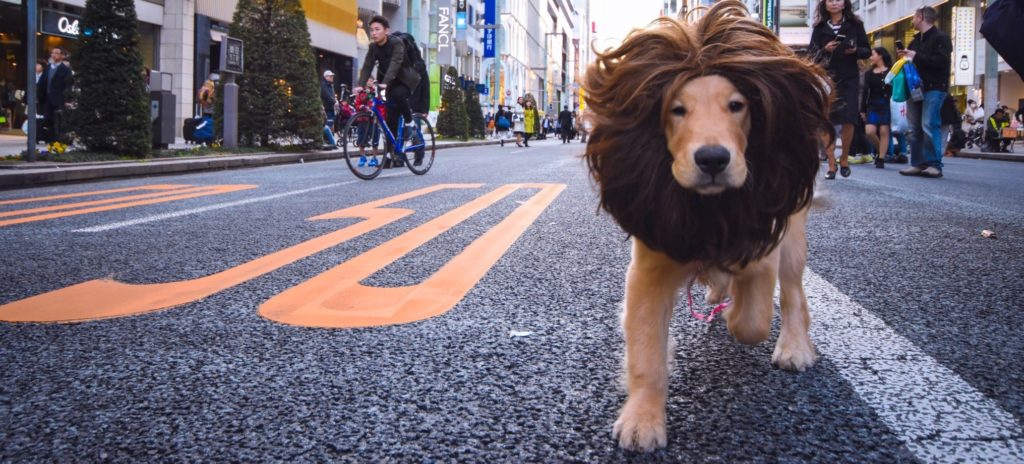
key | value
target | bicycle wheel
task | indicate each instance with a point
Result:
(362, 145)
(421, 144)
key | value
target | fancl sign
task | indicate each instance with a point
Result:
(445, 30)
(60, 23)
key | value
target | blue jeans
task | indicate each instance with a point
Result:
(925, 120)
(897, 145)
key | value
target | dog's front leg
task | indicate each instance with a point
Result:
(794, 350)
(651, 285)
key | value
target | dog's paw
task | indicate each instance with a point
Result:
(794, 353)
(640, 427)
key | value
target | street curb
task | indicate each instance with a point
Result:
(20, 177)
(990, 156)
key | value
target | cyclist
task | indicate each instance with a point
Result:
(394, 73)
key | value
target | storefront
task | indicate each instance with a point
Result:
(1011, 88)
(59, 26)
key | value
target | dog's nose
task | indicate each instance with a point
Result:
(712, 159)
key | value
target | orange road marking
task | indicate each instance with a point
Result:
(97, 192)
(105, 201)
(336, 299)
(107, 298)
(171, 196)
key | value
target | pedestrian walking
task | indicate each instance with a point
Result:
(838, 40)
(876, 103)
(327, 96)
(531, 121)
(930, 52)
(58, 81)
(502, 123)
(565, 123)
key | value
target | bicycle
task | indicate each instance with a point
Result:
(361, 142)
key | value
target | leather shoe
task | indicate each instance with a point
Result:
(911, 171)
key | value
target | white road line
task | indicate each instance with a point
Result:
(161, 217)
(517, 151)
(939, 416)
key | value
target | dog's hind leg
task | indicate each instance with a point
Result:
(794, 349)
(652, 283)
(749, 319)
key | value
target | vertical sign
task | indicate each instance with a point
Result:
(490, 13)
(963, 45)
(460, 15)
(444, 32)
(769, 14)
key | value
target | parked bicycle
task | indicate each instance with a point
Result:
(367, 153)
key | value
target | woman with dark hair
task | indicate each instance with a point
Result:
(875, 103)
(837, 42)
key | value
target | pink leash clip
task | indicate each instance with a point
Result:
(708, 318)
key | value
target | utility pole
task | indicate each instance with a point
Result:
(31, 97)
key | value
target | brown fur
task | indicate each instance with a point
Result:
(627, 96)
(667, 93)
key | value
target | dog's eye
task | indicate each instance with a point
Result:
(736, 106)
(679, 111)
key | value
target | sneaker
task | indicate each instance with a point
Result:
(901, 159)
(931, 172)
(362, 161)
(911, 171)
(373, 163)
(879, 162)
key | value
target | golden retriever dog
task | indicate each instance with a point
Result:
(705, 151)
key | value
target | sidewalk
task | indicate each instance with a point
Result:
(24, 174)
(1016, 153)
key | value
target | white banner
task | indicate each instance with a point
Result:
(963, 45)
(445, 30)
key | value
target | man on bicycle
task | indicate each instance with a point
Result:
(394, 73)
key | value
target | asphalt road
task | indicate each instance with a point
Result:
(918, 318)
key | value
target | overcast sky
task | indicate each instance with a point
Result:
(615, 18)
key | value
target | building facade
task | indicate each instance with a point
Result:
(978, 73)
(179, 37)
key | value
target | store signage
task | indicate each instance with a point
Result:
(963, 45)
(232, 55)
(60, 23)
(460, 15)
(444, 32)
(481, 89)
(490, 15)
(769, 14)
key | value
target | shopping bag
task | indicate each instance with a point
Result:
(898, 117)
(914, 84)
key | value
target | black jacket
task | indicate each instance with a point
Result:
(932, 58)
(565, 118)
(840, 66)
(57, 86)
(391, 64)
(327, 95)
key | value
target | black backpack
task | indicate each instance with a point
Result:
(412, 51)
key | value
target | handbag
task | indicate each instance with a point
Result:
(503, 123)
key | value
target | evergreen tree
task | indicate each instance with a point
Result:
(451, 118)
(112, 108)
(475, 114)
(279, 92)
